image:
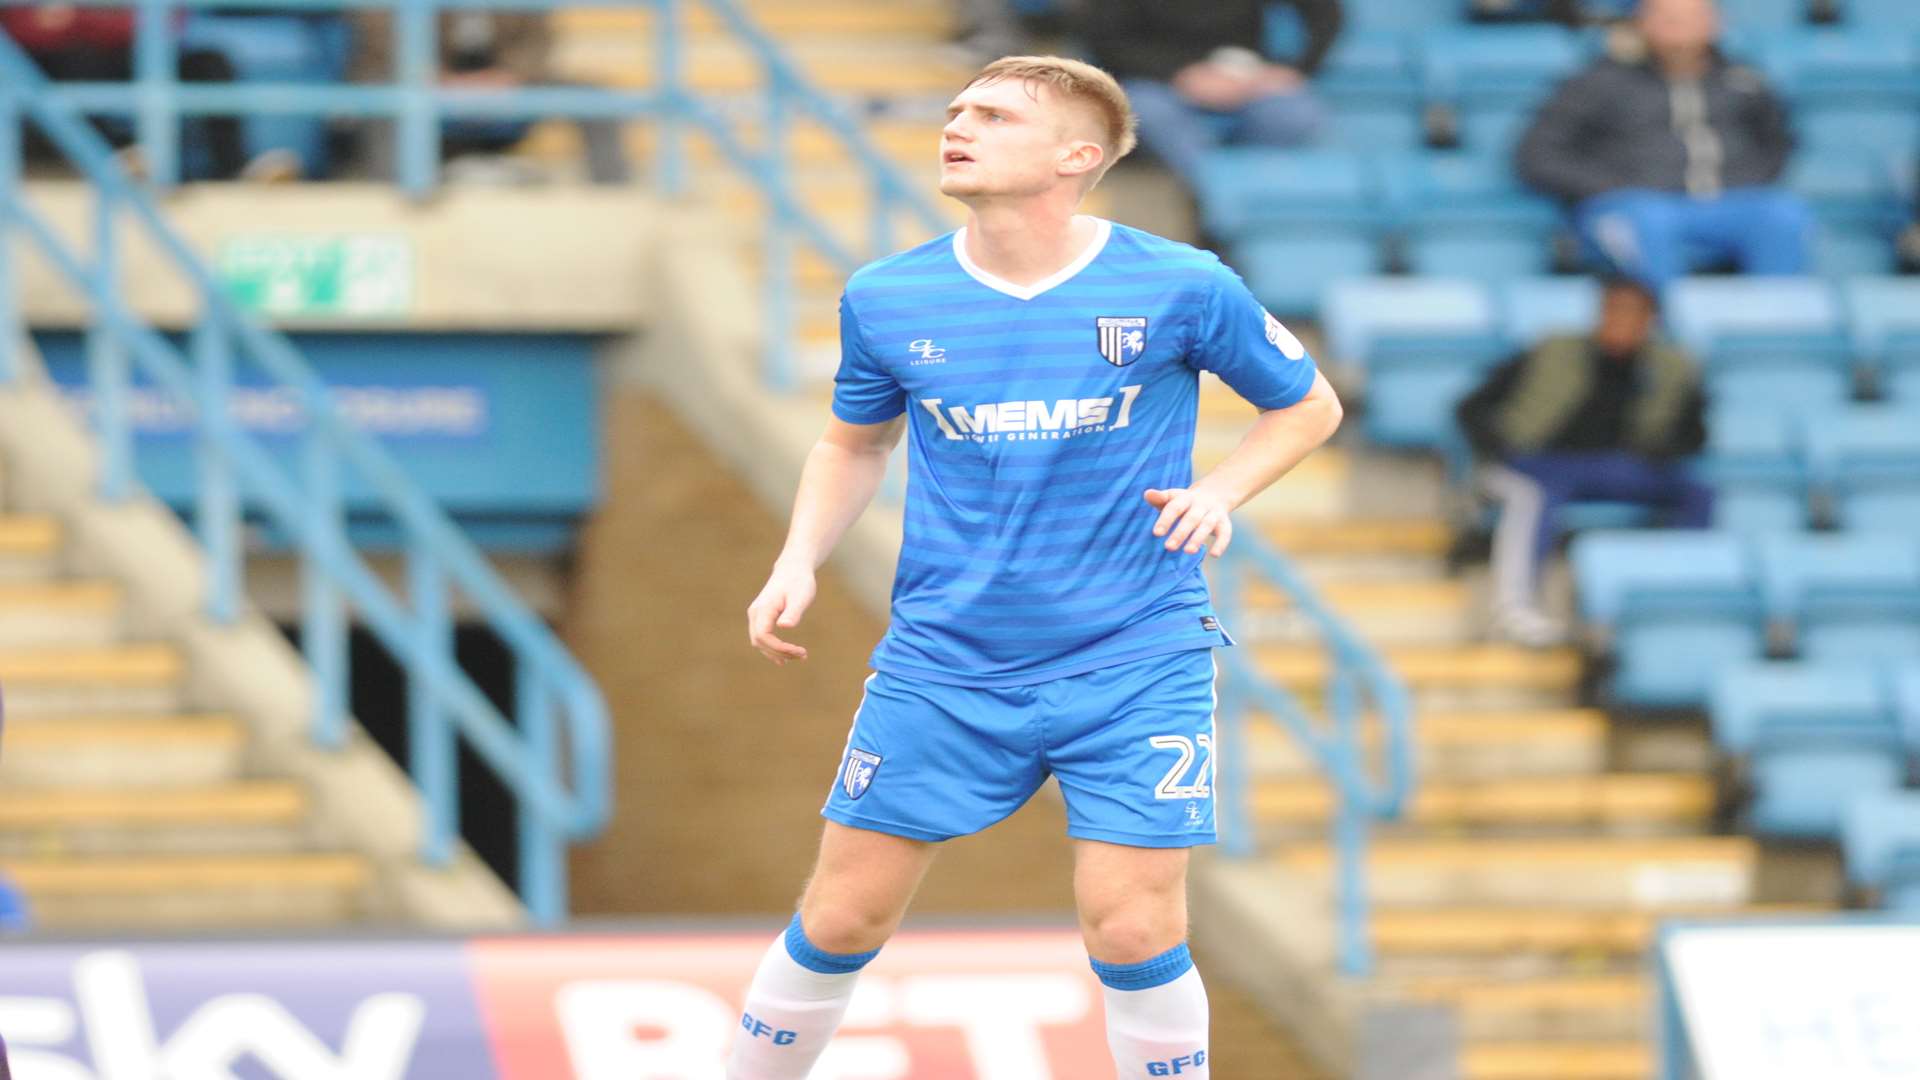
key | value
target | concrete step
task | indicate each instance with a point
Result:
(1557, 1060)
(36, 613)
(29, 547)
(128, 751)
(1367, 549)
(115, 678)
(1447, 677)
(1462, 746)
(1570, 872)
(251, 817)
(864, 67)
(1544, 937)
(209, 892)
(787, 20)
(1554, 1007)
(1608, 803)
(1395, 611)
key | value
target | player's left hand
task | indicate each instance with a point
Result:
(1192, 517)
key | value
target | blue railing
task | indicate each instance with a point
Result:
(156, 101)
(1358, 682)
(553, 755)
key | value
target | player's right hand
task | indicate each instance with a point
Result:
(780, 604)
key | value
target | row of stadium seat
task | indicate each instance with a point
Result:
(1434, 14)
(1812, 736)
(1292, 217)
(1493, 77)
(1853, 468)
(1880, 837)
(1679, 607)
(1771, 343)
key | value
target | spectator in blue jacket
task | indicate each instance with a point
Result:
(1670, 161)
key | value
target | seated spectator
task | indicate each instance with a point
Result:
(1670, 162)
(74, 44)
(1606, 416)
(1197, 79)
(482, 50)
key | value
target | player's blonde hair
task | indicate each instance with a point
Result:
(1080, 81)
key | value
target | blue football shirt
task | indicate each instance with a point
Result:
(1037, 417)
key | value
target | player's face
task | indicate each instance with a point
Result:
(1003, 138)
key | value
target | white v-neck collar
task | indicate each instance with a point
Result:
(1102, 229)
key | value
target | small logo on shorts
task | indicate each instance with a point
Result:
(860, 769)
(1193, 815)
(1210, 624)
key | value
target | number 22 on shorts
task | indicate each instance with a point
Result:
(1170, 786)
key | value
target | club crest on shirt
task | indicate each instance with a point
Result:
(1122, 338)
(859, 772)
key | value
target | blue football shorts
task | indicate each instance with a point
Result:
(1131, 744)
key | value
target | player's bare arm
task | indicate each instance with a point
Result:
(1200, 516)
(841, 476)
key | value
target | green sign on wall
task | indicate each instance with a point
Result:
(345, 275)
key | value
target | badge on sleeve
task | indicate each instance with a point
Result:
(1282, 338)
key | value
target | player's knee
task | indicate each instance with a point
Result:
(1132, 934)
(846, 928)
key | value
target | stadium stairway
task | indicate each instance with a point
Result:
(888, 63)
(1521, 892)
(155, 772)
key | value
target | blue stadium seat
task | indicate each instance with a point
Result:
(1465, 215)
(1843, 251)
(1885, 315)
(1533, 308)
(1397, 14)
(1814, 737)
(1287, 266)
(1679, 605)
(1868, 457)
(1763, 14)
(1886, 15)
(1880, 838)
(1754, 462)
(1362, 123)
(1494, 77)
(1770, 342)
(1368, 65)
(1858, 62)
(1850, 596)
(1423, 342)
(1243, 187)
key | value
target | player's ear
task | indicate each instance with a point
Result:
(1081, 157)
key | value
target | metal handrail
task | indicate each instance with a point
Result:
(157, 100)
(563, 786)
(1357, 677)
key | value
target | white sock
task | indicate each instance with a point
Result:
(793, 1008)
(1156, 1017)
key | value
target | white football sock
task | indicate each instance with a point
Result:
(1156, 1017)
(793, 1008)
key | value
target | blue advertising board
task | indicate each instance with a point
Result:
(501, 429)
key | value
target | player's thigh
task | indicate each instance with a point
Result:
(1133, 748)
(1132, 901)
(862, 883)
(932, 761)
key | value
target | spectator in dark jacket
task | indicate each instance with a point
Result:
(1606, 416)
(1197, 78)
(75, 44)
(1669, 163)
